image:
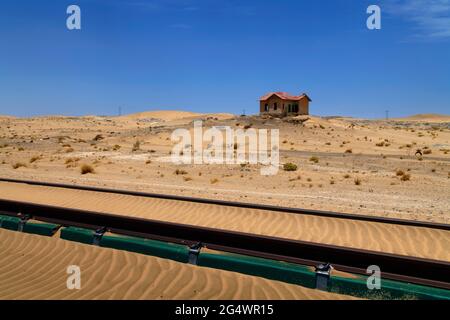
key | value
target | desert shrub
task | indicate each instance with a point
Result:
(34, 159)
(86, 168)
(427, 151)
(349, 151)
(400, 173)
(314, 159)
(290, 167)
(18, 165)
(180, 172)
(357, 181)
(347, 176)
(69, 150)
(98, 137)
(214, 181)
(136, 146)
(187, 179)
(406, 177)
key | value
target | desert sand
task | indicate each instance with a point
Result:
(397, 239)
(34, 267)
(344, 164)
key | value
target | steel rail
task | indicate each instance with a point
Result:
(328, 214)
(396, 267)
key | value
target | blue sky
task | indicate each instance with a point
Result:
(222, 55)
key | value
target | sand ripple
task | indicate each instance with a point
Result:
(34, 267)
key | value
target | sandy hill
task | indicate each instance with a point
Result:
(4, 117)
(430, 117)
(172, 115)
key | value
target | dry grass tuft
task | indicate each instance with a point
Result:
(86, 168)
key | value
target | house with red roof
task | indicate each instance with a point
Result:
(283, 104)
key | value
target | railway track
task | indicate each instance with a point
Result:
(395, 267)
(245, 205)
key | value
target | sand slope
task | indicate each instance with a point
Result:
(428, 117)
(413, 241)
(34, 267)
(171, 115)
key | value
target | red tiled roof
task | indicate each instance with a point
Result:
(284, 96)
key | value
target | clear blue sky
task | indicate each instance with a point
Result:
(222, 55)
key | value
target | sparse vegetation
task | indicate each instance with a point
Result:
(214, 181)
(357, 181)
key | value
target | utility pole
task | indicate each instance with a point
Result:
(387, 114)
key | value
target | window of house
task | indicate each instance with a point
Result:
(266, 107)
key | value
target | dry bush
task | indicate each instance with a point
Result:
(98, 137)
(314, 159)
(214, 181)
(406, 177)
(400, 173)
(357, 181)
(34, 159)
(187, 179)
(349, 151)
(290, 167)
(380, 144)
(69, 150)
(86, 168)
(427, 151)
(180, 172)
(347, 176)
(18, 165)
(136, 146)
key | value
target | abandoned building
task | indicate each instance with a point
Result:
(283, 104)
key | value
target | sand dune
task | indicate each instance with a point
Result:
(428, 117)
(34, 267)
(413, 241)
(171, 115)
